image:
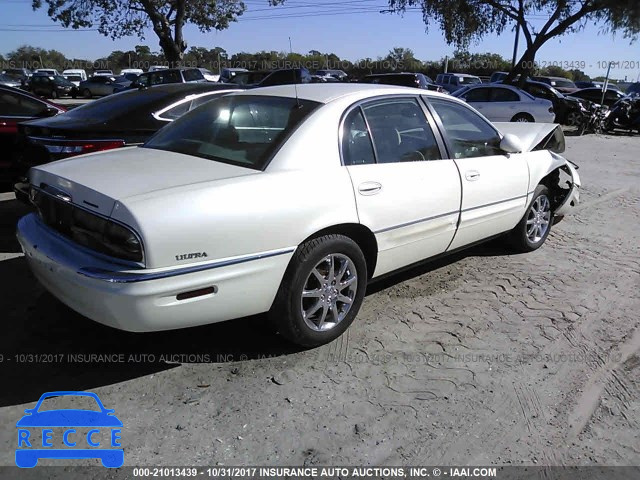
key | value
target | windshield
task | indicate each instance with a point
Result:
(59, 80)
(239, 130)
(468, 80)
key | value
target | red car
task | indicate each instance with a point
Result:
(17, 106)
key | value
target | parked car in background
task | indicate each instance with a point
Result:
(208, 75)
(18, 106)
(169, 75)
(156, 68)
(20, 74)
(52, 86)
(98, 86)
(75, 75)
(633, 89)
(227, 74)
(584, 84)
(498, 76)
(286, 76)
(416, 80)
(128, 118)
(610, 85)
(594, 94)
(134, 71)
(172, 234)
(563, 85)
(504, 103)
(8, 81)
(568, 109)
(454, 81)
(249, 78)
(103, 73)
(46, 71)
(339, 75)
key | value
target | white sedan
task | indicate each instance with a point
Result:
(287, 201)
(504, 103)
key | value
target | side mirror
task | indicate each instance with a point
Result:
(511, 144)
(48, 112)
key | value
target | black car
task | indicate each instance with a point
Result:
(567, 108)
(129, 118)
(416, 80)
(18, 106)
(22, 75)
(594, 95)
(52, 86)
(286, 76)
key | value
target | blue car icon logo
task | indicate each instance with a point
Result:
(32, 447)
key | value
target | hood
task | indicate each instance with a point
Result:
(100, 179)
(534, 136)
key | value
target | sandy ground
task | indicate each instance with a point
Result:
(483, 358)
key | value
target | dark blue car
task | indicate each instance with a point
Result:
(29, 452)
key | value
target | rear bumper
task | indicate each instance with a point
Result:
(149, 302)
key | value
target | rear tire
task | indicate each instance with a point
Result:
(86, 93)
(54, 94)
(321, 292)
(532, 231)
(523, 118)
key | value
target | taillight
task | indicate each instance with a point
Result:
(78, 147)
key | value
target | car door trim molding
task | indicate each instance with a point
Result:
(414, 222)
(135, 277)
(496, 203)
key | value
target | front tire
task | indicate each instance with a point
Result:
(86, 93)
(322, 291)
(54, 94)
(532, 231)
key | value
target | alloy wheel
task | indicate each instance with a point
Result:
(538, 219)
(329, 292)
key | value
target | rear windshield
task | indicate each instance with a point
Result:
(468, 80)
(563, 83)
(239, 130)
(107, 108)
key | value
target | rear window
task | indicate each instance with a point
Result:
(112, 106)
(239, 130)
(192, 75)
(468, 80)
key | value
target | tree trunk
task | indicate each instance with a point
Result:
(523, 67)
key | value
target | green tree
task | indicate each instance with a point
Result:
(167, 18)
(466, 21)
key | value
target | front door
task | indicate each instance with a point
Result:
(494, 184)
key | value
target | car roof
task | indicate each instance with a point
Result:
(328, 92)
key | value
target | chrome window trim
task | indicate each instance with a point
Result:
(140, 264)
(428, 116)
(135, 277)
(158, 114)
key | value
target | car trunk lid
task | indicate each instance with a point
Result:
(98, 181)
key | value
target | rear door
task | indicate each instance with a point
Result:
(494, 184)
(479, 98)
(504, 104)
(406, 193)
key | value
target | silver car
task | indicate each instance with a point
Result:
(504, 103)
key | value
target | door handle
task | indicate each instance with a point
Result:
(472, 175)
(369, 188)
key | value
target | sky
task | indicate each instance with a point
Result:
(352, 29)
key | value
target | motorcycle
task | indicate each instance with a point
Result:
(624, 115)
(593, 118)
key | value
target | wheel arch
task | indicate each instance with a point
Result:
(361, 235)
